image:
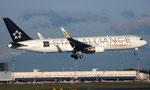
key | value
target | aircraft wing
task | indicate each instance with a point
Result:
(77, 45)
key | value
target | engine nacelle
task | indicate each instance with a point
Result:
(91, 50)
(99, 49)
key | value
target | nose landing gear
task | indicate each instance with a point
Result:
(136, 51)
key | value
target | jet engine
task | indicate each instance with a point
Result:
(91, 50)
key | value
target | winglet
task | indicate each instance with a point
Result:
(65, 33)
(40, 36)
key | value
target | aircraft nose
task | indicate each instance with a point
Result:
(144, 42)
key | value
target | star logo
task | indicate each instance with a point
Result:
(17, 34)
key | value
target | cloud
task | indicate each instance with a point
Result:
(128, 14)
(145, 55)
(139, 26)
(145, 15)
(61, 18)
(6, 54)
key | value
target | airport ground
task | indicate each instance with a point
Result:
(79, 86)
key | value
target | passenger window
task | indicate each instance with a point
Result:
(45, 43)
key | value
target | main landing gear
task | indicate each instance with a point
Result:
(76, 56)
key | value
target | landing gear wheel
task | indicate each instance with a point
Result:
(72, 55)
(81, 56)
(135, 53)
(76, 56)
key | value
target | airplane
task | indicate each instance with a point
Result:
(87, 45)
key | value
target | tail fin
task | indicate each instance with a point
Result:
(16, 33)
(65, 33)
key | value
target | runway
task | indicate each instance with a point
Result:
(82, 86)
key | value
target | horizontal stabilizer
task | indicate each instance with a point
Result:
(40, 36)
(16, 33)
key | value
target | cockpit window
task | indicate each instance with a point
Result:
(141, 38)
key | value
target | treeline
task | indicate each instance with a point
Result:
(132, 69)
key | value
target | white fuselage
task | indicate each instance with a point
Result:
(63, 45)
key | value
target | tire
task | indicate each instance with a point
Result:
(81, 56)
(72, 56)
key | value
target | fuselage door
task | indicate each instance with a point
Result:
(46, 44)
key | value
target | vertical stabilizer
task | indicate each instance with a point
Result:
(16, 33)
